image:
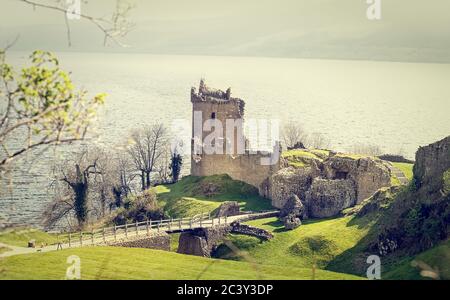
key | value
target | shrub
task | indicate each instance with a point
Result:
(140, 208)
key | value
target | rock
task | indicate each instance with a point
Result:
(228, 209)
(291, 222)
(419, 216)
(431, 163)
(368, 174)
(293, 206)
(378, 201)
(237, 227)
(328, 198)
(192, 244)
(331, 183)
(32, 244)
(290, 181)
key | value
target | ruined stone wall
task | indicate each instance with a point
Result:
(431, 162)
(246, 168)
(160, 241)
(251, 231)
(201, 242)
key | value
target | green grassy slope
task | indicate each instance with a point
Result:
(331, 244)
(436, 259)
(316, 241)
(20, 237)
(187, 197)
(406, 168)
(128, 263)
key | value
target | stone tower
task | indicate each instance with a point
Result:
(211, 105)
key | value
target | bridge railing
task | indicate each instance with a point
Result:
(120, 232)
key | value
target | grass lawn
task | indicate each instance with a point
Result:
(406, 168)
(187, 197)
(300, 158)
(131, 263)
(316, 241)
(331, 244)
(20, 237)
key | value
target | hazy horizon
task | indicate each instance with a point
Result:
(408, 31)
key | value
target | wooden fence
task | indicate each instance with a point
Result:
(135, 229)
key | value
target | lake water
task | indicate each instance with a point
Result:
(397, 106)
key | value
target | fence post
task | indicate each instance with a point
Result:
(92, 236)
(159, 224)
(146, 227)
(179, 223)
(70, 244)
(137, 228)
(126, 230)
(115, 234)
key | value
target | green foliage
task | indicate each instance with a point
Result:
(139, 208)
(446, 182)
(194, 195)
(42, 99)
(175, 166)
(132, 263)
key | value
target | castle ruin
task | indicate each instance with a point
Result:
(235, 158)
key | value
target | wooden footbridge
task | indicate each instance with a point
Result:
(136, 230)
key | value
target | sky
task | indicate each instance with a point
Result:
(409, 30)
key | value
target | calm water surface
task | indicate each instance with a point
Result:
(398, 106)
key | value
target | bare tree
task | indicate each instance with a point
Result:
(40, 107)
(123, 170)
(73, 178)
(293, 135)
(146, 150)
(371, 150)
(163, 166)
(317, 141)
(114, 27)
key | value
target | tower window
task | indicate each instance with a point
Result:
(213, 115)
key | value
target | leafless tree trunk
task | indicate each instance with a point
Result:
(147, 149)
(293, 135)
(113, 28)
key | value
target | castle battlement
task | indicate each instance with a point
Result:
(216, 96)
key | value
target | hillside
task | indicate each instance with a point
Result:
(128, 263)
(194, 195)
